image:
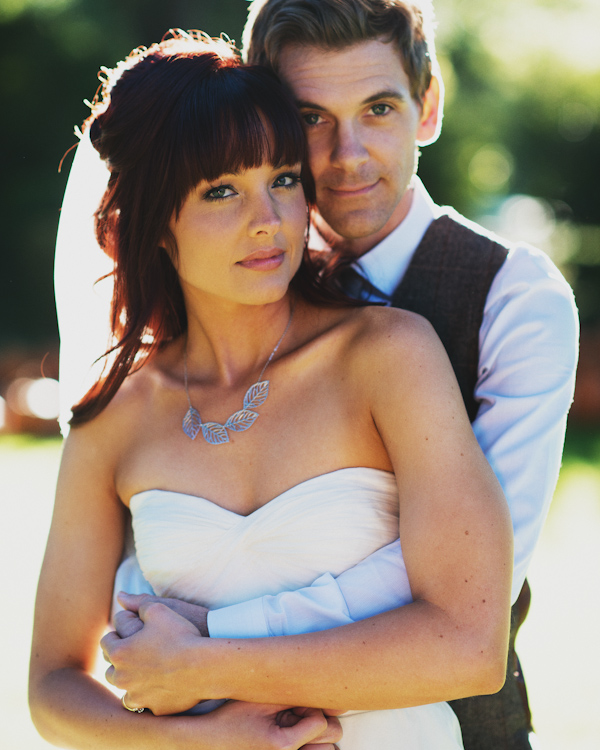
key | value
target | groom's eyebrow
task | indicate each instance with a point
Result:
(384, 94)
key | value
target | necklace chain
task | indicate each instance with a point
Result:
(216, 433)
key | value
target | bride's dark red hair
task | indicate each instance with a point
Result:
(167, 117)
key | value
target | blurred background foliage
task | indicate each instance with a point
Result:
(520, 148)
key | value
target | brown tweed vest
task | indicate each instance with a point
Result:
(447, 282)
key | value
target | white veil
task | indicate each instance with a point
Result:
(83, 307)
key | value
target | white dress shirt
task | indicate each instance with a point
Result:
(528, 347)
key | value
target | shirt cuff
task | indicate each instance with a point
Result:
(244, 620)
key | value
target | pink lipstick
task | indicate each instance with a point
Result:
(263, 260)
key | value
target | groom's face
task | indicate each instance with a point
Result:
(363, 127)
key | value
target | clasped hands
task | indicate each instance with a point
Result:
(148, 657)
(148, 652)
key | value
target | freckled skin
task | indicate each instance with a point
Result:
(221, 223)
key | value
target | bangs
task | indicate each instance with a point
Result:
(235, 120)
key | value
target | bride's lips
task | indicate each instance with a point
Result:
(263, 260)
(353, 191)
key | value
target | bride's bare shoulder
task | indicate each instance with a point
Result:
(365, 334)
(386, 326)
(381, 337)
(123, 417)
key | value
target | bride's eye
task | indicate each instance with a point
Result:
(287, 180)
(218, 193)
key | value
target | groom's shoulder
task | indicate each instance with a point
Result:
(516, 261)
(452, 221)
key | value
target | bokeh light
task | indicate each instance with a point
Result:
(576, 120)
(34, 397)
(42, 398)
(491, 168)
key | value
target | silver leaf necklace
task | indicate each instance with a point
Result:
(216, 433)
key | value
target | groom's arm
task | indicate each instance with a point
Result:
(528, 348)
(528, 359)
(377, 584)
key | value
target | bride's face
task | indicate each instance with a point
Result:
(240, 237)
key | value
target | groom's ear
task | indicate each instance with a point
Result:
(432, 106)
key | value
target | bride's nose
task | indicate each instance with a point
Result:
(265, 218)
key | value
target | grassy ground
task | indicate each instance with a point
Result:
(558, 645)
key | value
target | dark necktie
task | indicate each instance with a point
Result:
(357, 286)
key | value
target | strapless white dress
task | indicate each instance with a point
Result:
(193, 549)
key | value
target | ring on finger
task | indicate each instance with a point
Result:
(133, 710)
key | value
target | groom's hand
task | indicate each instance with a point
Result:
(326, 740)
(331, 733)
(127, 622)
(258, 726)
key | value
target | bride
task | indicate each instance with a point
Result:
(261, 429)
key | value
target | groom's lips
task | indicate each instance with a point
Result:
(353, 191)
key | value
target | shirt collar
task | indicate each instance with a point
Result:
(386, 263)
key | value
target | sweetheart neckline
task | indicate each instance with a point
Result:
(199, 498)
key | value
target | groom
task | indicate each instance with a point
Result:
(366, 81)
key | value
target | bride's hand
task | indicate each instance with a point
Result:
(128, 622)
(153, 665)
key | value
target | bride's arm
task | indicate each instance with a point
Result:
(456, 536)
(69, 707)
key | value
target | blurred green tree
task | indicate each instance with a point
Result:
(522, 118)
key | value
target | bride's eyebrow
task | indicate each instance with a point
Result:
(283, 163)
(221, 177)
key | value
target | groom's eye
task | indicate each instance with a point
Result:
(380, 109)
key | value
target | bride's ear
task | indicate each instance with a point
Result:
(169, 246)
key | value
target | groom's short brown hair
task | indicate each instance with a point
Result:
(335, 24)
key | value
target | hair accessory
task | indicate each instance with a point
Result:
(216, 433)
(133, 710)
